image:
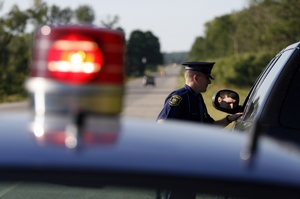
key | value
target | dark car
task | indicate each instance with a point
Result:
(73, 151)
(272, 106)
(148, 80)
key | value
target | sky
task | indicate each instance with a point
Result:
(176, 23)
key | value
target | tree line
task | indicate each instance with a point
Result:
(17, 28)
(242, 43)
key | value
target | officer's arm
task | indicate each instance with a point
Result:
(172, 108)
(228, 119)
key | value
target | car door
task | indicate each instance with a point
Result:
(264, 101)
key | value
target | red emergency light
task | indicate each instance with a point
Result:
(79, 54)
(74, 59)
(77, 68)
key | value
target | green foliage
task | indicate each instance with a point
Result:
(143, 52)
(264, 25)
(85, 14)
(198, 51)
(219, 33)
(241, 70)
(16, 43)
(59, 16)
(38, 13)
(15, 68)
(15, 21)
(242, 43)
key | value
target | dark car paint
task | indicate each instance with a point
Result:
(144, 153)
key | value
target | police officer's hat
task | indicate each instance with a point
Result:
(203, 67)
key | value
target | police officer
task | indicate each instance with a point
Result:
(187, 103)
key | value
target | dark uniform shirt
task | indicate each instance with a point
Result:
(185, 104)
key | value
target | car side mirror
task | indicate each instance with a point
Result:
(226, 101)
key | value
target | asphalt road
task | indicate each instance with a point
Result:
(14, 106)
(147, 101)
(139, 101)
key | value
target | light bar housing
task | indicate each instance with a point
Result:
(77, 68)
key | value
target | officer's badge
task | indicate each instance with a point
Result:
(175, 100)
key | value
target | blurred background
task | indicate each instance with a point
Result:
(241, 36)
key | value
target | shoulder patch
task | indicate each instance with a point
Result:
(175, 100)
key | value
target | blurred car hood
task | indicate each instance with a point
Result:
(144, 148)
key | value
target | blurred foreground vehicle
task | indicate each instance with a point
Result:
(74, 144)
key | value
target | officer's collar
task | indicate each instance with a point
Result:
(187, 87)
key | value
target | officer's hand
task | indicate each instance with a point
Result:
(235, 116)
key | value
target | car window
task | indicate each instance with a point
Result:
(249, 103)
(263, 86)
(290, 116)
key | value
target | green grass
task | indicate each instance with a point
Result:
(13, 98)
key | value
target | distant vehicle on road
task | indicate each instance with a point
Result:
(148, 80)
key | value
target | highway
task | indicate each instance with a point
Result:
(147, 101)
(139, 100)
